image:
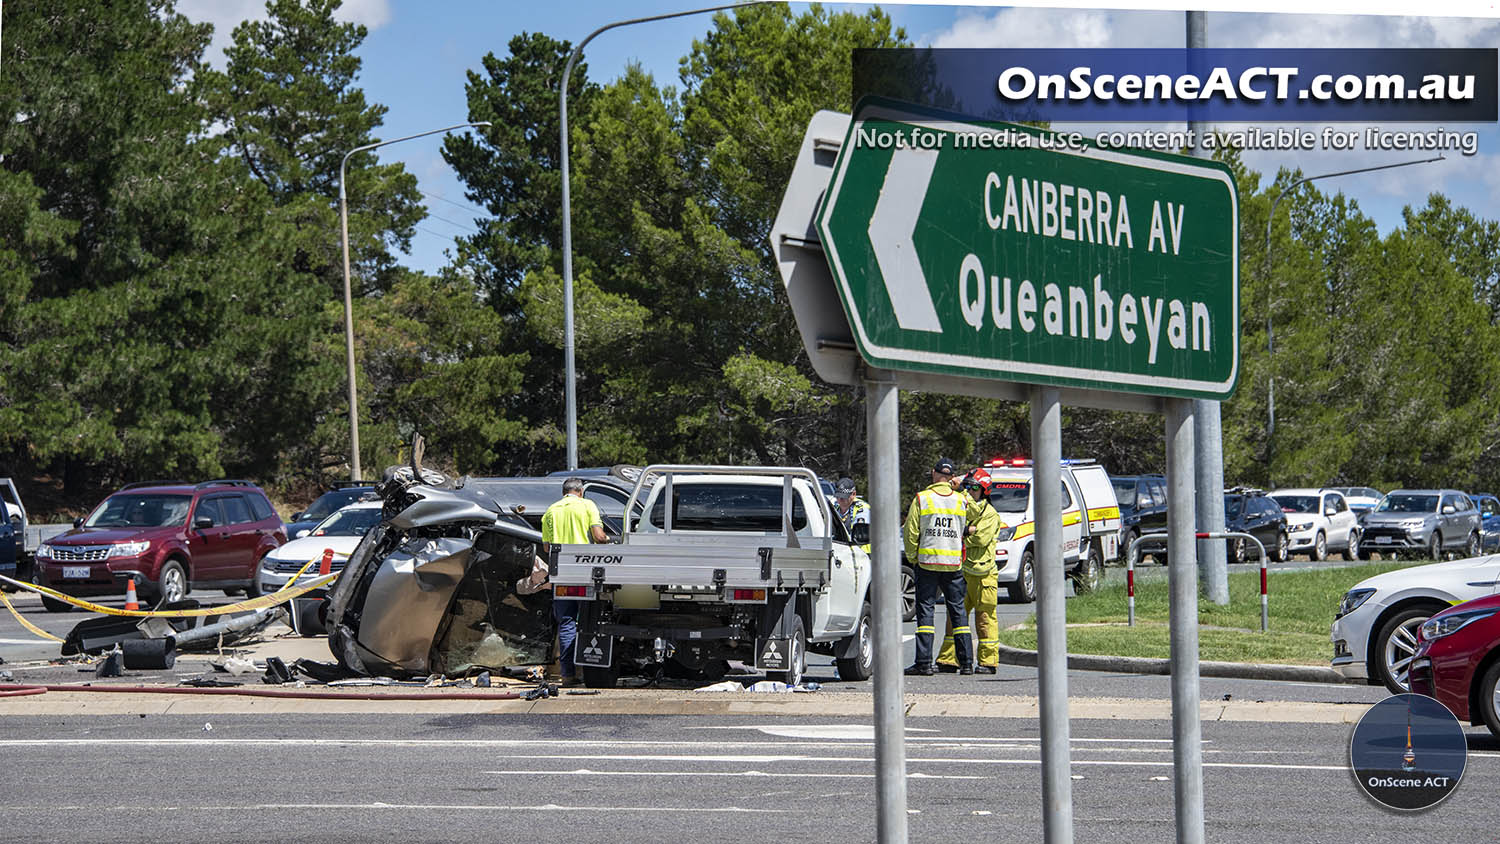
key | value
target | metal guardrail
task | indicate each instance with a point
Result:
(1133, 553)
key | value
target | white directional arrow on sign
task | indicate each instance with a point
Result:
(891, 228)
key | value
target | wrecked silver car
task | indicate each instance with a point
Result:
(433, 589)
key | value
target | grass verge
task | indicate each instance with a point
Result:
(1302, 604)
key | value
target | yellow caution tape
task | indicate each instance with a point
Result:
(281, 596)
(24, 623)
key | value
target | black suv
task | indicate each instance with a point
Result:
(1143, 509)
(1251, 511)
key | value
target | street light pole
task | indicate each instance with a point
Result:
(354, 472)
(1270, 300)
(570, 391)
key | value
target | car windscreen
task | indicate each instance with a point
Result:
(728, 507)
(1011, 496)
(349, 522)
(328, 502)
(1297, 503)
(141, 511)
(1407, 503)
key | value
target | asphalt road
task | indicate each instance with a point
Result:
(653, 779)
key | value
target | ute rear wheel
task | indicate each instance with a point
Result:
(796, 648)
(1023, 590)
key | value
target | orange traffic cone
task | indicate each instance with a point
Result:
(130, 599)
(325, 566)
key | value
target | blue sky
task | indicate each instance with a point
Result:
(417, 54)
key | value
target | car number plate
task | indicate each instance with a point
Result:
(1382, 540)
(76, 572)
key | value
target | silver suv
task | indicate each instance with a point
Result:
(1422, 521)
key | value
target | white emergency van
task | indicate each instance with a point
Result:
(1091, 524)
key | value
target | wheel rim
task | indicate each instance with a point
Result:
(908, 595)
(1095, 573)
(1472, 549)
(172, 586)
(1028, 578)
(866, 644)
(1322, 546)
(795, 668)
(1239, 551)
(1435, 547)
(1281, 546)
(1400, 648)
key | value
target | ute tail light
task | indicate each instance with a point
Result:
(571, 591)
(749, 594)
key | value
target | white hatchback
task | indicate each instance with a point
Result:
(1318, 521)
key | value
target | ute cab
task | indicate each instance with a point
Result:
(1091, 524)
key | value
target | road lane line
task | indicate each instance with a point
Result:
(405, 807)
(586, 772)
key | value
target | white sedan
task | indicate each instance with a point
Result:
(340, 532)
(1375, 630)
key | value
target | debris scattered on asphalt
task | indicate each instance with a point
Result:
(110, 666)
(208, 682)
(276, 672)
(981, 812)
(207, 727)
(7, 676)
(1161, 779)
(762, 686)
(236, 665)
(582, 691)
(482, 680)
(1228, 696)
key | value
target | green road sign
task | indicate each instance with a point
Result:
(1017, 254)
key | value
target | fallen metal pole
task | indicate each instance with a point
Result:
(883, 420)
(1182, 617)
(1051, 616)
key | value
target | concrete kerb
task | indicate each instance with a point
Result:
(1206, 668)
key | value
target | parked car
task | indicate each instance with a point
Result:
(1489, 521)
(339, 532)
(1252, 511)
(169, 536)
(1091, 524)
(342, 495)
(1456, 661)
(1419, 522)
(1143, 508)
(1319, 521)
(1375, 629)
(1362, 499)
(15, 512)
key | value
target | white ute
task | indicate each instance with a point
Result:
(747, 564)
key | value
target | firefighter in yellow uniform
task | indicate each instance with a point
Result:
(981, 577)
(936, 524)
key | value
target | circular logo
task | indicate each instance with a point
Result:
(1408, 752)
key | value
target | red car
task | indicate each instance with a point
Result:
(169, 536)
(1458, 661)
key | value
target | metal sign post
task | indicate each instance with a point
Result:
(883, 419)
(1182, 616)
(1051, 616)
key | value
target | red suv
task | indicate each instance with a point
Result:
(170, 536)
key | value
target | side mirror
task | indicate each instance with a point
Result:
(203, 522)
(1330, 510)
(861, 533)
(1449, 509)
(15, 520)
(78, 522)
(301, 533)
(297, 516)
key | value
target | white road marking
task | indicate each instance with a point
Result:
(1118, 763)
(585, 772)
(405, 807)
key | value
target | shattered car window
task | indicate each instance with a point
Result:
(489, 625)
